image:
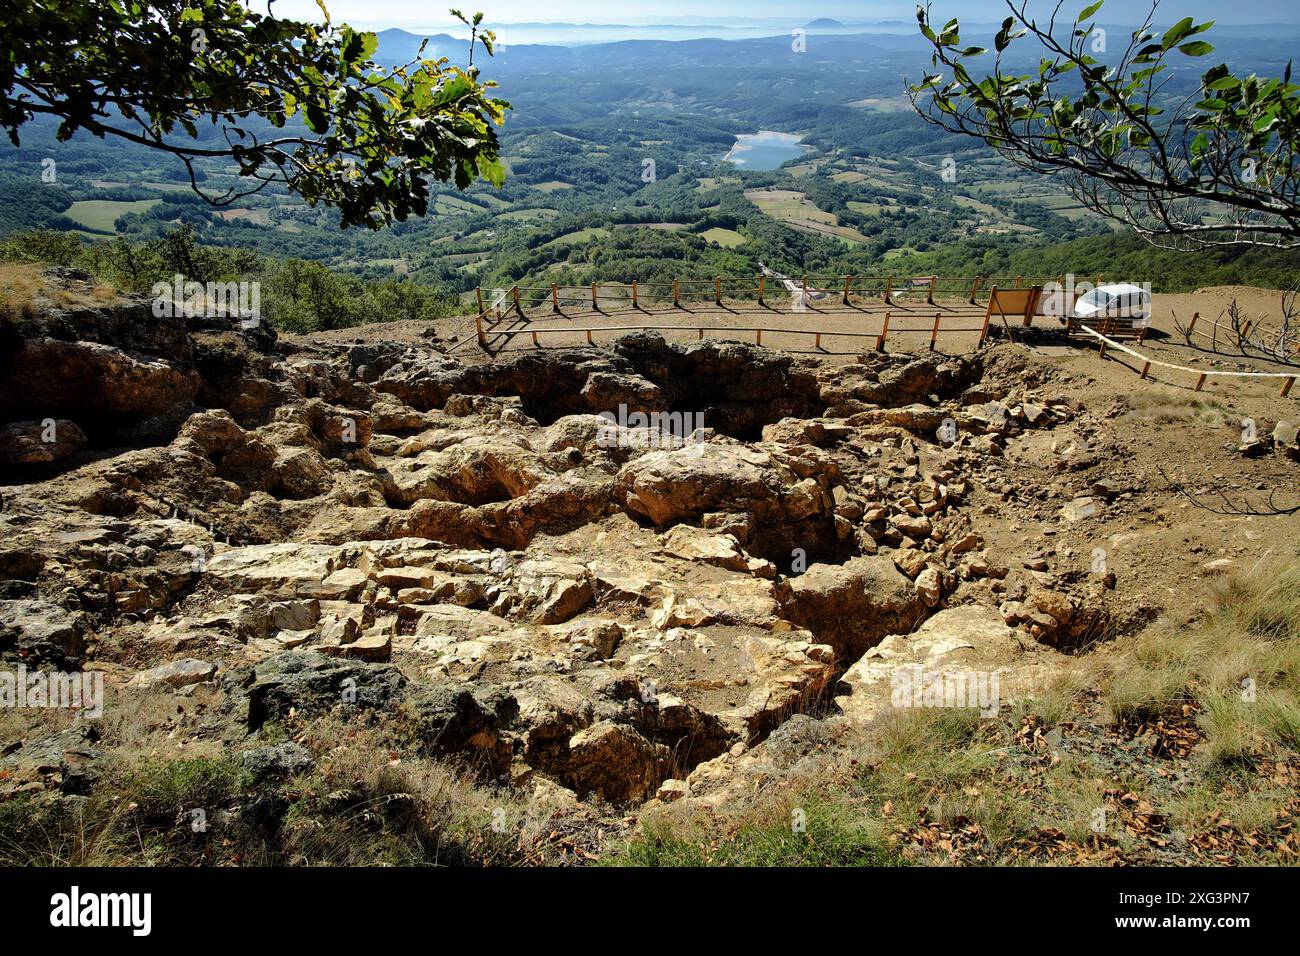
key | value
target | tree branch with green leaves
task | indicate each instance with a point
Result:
(303, 104)
(1185, 165)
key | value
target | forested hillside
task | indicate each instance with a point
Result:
(620, 172)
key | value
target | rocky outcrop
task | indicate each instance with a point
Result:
(310, 682)
(783, 497)
(854, 605)
(42, 632)
(30, 443)
(124, 375)
(528, 572)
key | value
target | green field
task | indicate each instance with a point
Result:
(798, 212)
(100, 214)
(453, 205)
(528, 215)
(727, 238)
(574, 238)
(870, 208)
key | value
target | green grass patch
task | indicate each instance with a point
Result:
(100, 214)
(727, 238)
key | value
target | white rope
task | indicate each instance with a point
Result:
(1111, 343)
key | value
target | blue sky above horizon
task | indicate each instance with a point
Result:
(423, 15)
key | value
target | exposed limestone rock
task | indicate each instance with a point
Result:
(30, 443)
(537, 581)
(961, 640)
(304, 682)
(176, 674)
(41, 632)
(852, 606)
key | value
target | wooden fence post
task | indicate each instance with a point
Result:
(975, 287)
(889, 287)
(884, 333)
(555, 298)
(934, 332)
(478, 322)
(930, 298)
(717, 290)
(677, 301)
(1286, 386)
(635, 301)
(761, 280)
(478, 291)
(1017, 285)
(514, 294)
(848, 282)
(984, 332)
(594, 306)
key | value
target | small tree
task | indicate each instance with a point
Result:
(191, 78)
(1217, 166)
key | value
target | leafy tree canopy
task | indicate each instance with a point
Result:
(1209, 163)
(300, 103)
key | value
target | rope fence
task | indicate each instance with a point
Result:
(1289, 378)
(1240, 335)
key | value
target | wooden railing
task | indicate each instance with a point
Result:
(758, 288)
(888, 324)
(812, 289)
(844, 287)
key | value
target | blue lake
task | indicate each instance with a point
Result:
(764, 150)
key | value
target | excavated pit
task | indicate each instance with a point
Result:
(556, 592)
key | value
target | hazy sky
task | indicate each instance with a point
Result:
(425, 13)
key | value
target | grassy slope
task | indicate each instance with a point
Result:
(1176, 746)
